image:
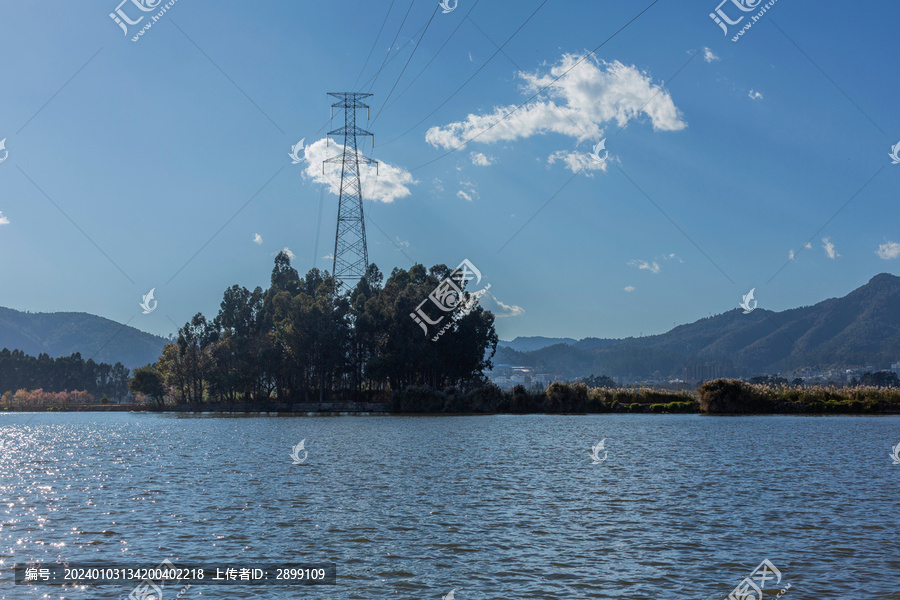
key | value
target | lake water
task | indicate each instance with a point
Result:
(684, 507)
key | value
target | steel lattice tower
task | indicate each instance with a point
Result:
(351, 257)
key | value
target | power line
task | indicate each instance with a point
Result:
(416, 78)
(413, 53)
(399, 29)
(391, 59)
(466, 82)
(397, 53)
(373, 45)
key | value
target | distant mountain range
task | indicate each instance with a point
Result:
(862, 328)
(63, 334)
(530, 343)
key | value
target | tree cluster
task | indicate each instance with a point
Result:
(877, 379)
(19, 371)
(307, 340)
(769, 380)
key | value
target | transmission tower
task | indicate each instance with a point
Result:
(351, 258)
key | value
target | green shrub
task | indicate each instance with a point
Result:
(724, 396)
(523, 401)
(417, 399)
(487, 398)
(565, 398)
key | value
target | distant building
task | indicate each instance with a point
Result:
(895, 369)
(507, 376)
(542, 379)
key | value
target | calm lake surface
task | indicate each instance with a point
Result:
(684, 507)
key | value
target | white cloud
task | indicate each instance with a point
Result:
(257, 239)
(709, 56)
(390, 183)
(288, 252)
(500, 310)
(885, 251)
(592, 94)
(470, 58)
(479, 159)
(578, 161)
(653, 266)
(754, 95)
(671, 256)
(468, 191)
(829, 248)
(328, 257)
(438, 185)
(630, 288)
(3, 220)
(400, 242)
(792, 255)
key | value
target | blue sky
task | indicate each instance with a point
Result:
(156, 163)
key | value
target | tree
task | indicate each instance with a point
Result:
(193, 340)
(171, 369)
(148, 381)
(284, 276)
(880, 379)
(603, 381)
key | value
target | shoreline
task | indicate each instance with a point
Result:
(386, 413)
(716, 397)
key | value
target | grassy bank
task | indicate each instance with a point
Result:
(557, 398)
(732, 396)
(721, 396)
